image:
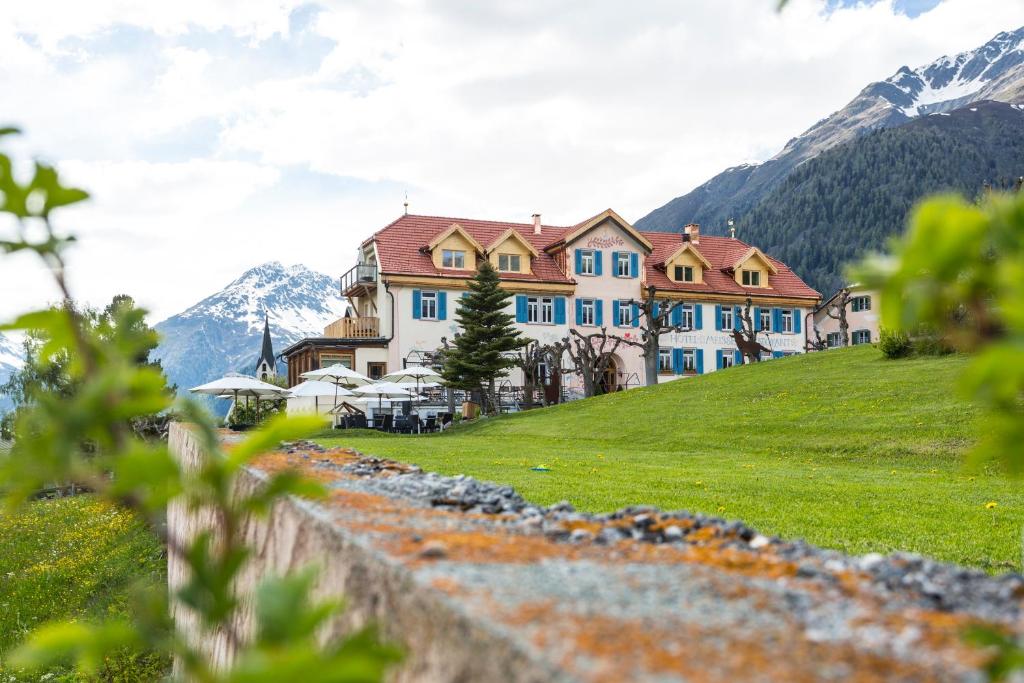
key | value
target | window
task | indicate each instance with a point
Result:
(586, 262)
(727, 321)
(329, 359)
(622, 264)
(860, 303)
(686, 315)
(766, 319)
(665, 361)
(508, 263)
(375, 370)
(453, 259)
(787, 321)
(543, 376)
(751, 278)
(540, 310)
(728, 358)
(587, 312)
(428, 305)
(689, 360)
(862, 337)
(684, 273)
(832, 339)
(625, 314)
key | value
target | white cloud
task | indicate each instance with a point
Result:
(203, 161)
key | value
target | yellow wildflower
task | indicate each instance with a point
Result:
(991, 504)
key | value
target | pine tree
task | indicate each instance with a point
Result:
(479, 355)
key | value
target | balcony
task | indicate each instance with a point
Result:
(354, 328)
(361, 278)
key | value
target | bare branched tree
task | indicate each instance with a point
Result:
(746, 337)
(655, 320)
(591, 354)
(837, 311)
(529, 359)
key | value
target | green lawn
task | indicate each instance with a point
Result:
(846, 449)
(75, 558)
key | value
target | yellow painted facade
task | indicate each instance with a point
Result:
(685, 258)
(754, 263)
(511, 246)
(456, 241)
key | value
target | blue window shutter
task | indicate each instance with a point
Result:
(718, 359)
(520, 308)
(615, 263)
(634, 264)
(416, 309)
(677, 361)
(579, 311)
(579, 261)
(442, 305)
(656, 309)
(677, 313)
(635, 315)
(737, 321)
(776, 320)
(698, 317)
(615, 312)
(700, 361)
(598, 312)
(718, 317)
(559, 310)
(597, 262)
(738, 357)
(757, 320)
(796, 320)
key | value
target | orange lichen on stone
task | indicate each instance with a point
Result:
(447, 585)
(478, 546)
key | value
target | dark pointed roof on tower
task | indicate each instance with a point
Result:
(268, 347)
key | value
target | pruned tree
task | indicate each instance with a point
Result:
(655, 320)
(746, 336)
(591, 354)
(529, 359)
(817, 344)
(836, 310)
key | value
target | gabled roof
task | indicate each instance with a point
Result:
(511, 233)
(752, 252)
(580, 229)
(453, 229)
(688, 246)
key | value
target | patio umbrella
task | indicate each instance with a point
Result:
(416, 374)
(382, 390)
(339, 375)
(233, 385)
(316, 389)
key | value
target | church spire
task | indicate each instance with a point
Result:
(266, 366)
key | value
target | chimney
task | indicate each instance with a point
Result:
(693, 230)
(536, 224)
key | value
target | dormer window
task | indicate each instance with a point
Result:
(683, 273)
(751, 278)
(509, 263)
(451, 258)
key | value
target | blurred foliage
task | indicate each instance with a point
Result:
(959, 271)
(105, 385)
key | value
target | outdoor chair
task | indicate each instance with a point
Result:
(431, 424)
(385, 423)
(358, 422)
(401, 425)
(446, 420)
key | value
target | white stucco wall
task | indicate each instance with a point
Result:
(857, 320)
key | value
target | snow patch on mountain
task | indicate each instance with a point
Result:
(222, 333)
(10, 361)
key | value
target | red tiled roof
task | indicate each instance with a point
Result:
(399, 246)
(400, 251)
(722, 253)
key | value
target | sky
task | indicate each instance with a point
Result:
(215, 135)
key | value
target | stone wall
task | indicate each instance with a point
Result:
(480, 585)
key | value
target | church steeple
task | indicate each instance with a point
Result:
(266, 366)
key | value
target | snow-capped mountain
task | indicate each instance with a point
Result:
(10, 360)
(994, 71)
(222, 333)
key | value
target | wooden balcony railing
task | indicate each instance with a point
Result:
(353, 328)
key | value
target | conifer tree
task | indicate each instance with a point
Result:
(480, 352)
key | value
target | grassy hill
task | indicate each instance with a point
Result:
(844, 448)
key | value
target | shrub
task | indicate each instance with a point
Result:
(894, 343)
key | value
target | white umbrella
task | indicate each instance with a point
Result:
(417, 375)
(234, 385)
(383, 390)
(315, 389)
(339, 375)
